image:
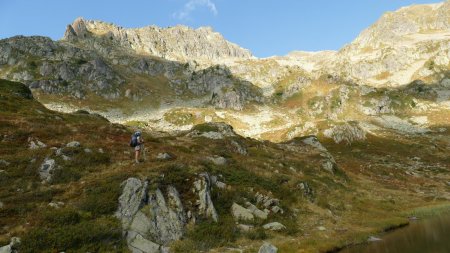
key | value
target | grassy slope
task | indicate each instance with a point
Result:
(352, 204)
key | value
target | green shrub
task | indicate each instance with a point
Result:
(183, 246)
(179, 117)
(235, 175)
(209, 234)
(102, 235)
(80, 162)
(137, 123)
(32, 65)
(205, 128)
(176, 175)
(60, 217)
(87, 160)
(101, 199)
(80, 61)
(65, 175)
(17, 89)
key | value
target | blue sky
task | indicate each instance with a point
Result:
(266, 27)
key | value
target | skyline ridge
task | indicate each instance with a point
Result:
(275, 29)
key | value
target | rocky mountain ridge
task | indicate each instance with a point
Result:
(178, 43)
(173, 78)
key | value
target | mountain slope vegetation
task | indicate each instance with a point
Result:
(366, 188)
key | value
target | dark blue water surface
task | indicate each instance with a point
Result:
(423, 236)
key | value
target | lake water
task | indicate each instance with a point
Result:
(423, 236)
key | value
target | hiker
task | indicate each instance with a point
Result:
(137, 143)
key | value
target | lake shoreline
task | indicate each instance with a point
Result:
(420, 213)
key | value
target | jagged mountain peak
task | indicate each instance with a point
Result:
(180, 43)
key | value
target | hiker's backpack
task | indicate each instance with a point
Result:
(134, 140)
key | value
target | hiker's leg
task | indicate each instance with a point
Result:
(136, 157)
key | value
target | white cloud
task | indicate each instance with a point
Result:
(192, 5)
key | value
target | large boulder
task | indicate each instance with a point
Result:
(164, 156)
(274, 226)
(217, 160)
(47, 168)
(73, 144)
(256, 211)
(241, 213)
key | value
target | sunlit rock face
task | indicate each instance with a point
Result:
(179, 43)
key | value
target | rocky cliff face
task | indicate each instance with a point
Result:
(179, 43)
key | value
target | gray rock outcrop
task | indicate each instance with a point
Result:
(230, 99)
(347, 133)
(73, 144)
(162, 221)
(35, 144)
(245, 228)
(256, 212)
(138, 244)
(202, 187)
(4, 163)
(241, 213)
(268, 203)
(150, 220)
(11, 247)
(217, 160)
(47, 168)
(133, 197)
(164, 156)
(373, 239)
(307, 190)
(238, 147)
(274, 226)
